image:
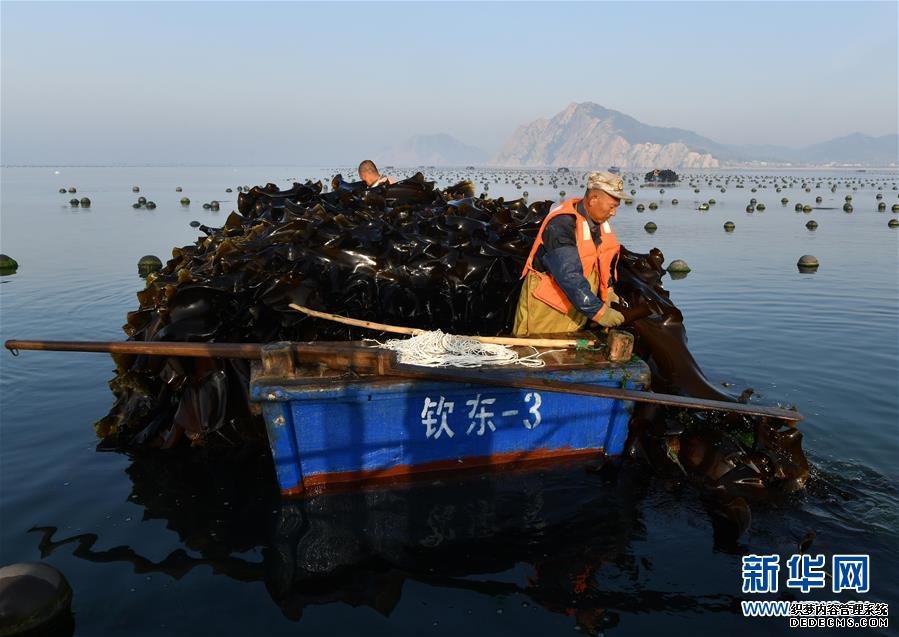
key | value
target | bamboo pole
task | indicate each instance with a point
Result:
(557, 343)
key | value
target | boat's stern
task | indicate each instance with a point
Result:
(328, 427)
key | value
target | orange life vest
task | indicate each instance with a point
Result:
(605, 257)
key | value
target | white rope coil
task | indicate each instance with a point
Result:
(436, 349)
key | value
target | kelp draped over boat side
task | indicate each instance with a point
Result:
(405, 254)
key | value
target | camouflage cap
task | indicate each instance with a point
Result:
(607, 182)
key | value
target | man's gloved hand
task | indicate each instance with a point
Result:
(611, 297)
(607, 317)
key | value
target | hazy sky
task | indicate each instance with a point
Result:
(308, 83)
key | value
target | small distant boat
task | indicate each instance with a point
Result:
(656, 178)
(615, 170)
(326, 429)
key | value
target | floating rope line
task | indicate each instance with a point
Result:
(436, 349)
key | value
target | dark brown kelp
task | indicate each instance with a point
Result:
(404, 254)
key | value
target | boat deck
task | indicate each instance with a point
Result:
(561, 364)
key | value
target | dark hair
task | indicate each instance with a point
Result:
(368, 166)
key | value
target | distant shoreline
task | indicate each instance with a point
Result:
(851, 167)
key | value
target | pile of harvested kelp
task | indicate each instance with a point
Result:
(404, 254)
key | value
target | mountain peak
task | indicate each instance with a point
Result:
(587, 134)
(438, 149)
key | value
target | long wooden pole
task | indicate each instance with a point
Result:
(345, 355)
(582, 389)
(560, 343)
(149, 348)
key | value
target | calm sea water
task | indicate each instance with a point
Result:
(200, 545)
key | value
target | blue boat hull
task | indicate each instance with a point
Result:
(325, 432)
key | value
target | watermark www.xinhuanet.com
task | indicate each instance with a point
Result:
(829, 614)
(848, 573)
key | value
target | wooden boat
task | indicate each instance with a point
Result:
(343, 413)
(327, 427)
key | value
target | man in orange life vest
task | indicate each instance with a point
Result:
(567, 277)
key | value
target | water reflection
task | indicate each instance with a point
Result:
(544, 535)
(569, 540)
(462, 534)
(218, 504)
